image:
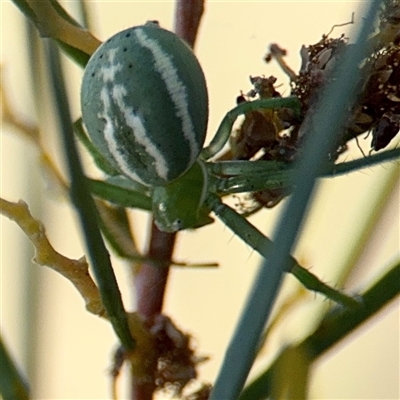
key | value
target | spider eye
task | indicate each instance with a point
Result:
(145, 104)
(177, 225)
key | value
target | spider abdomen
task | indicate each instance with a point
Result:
(145, 104)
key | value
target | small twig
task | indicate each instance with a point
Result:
(343, 24)
(13, 384)
(278, 54)
(32, 133)
(52, 23)
(76, 271)
(8, 116)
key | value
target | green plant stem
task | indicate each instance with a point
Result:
(12, 385)
(334, 327)
(84, 15)
(365, 223)
(339, 322)
(84, 204)
(321, 139)
(115, 226)
(26, 9)
(53, 21)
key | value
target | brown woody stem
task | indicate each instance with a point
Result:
(151, 280)
(188, 15)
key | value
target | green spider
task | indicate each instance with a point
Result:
(145, 107)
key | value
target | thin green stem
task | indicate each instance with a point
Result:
(334, 327)
(115, 226)
(321, 139)
(26, 9)
(365, 222)
(51, 20)
(12, 384)
(84, 204)
(63, 13)
(340, 322)
(84, 15)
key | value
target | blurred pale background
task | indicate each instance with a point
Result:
(42, 316)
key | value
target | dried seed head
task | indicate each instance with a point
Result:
(275, 135)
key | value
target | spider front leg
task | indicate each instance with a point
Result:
(225, 129)
(229, 177)
(180, 204)
(260, 243)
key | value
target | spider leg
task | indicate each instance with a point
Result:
(225, 128)
(263, 245)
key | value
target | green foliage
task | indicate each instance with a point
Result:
(190, 200)
(12, 384)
